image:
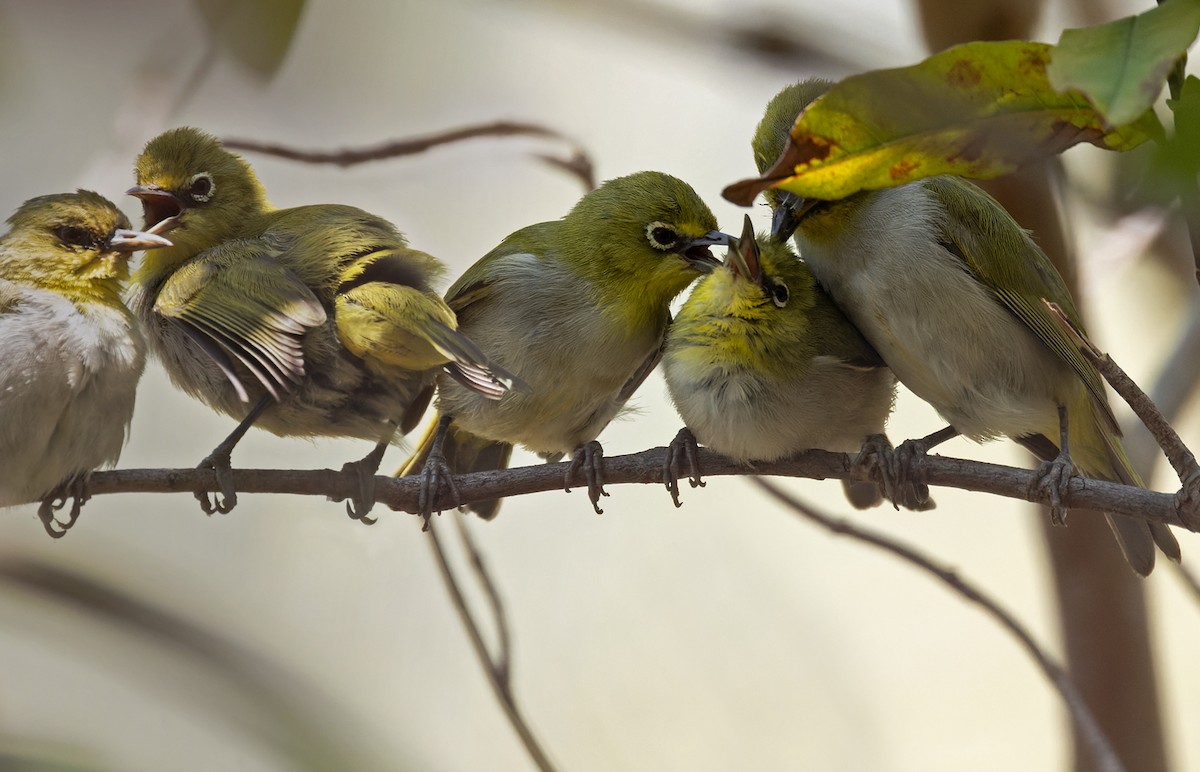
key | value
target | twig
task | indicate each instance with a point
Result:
(268, 702)
(1182, 459)
(1102, 750)
(496, 676)
(645, 467)
(503, 659)
(578, 163)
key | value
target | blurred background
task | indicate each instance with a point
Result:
(723, 635)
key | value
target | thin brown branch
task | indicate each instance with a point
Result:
(645, 467)
(270, 703)
(578, 163)
(1080, 712)
(503, 658)
(497, 676)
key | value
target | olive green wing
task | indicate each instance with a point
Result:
(386, 313)
(239, 303)
(475, 285)
(982, 234)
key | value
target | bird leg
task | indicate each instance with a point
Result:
(219, 462)
(895, 467)
(683, 448)
(590, 458)
(76, 489)
(1053, 477)
(362, 473)
(435, 473)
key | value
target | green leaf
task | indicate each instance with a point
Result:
(257, 32)
(1176, 162)
(978, 110)
(1121, 66)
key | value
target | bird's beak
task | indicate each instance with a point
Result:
(160, 208)
(787, 215)
(696, 253)
(742, 257)
(124, 240)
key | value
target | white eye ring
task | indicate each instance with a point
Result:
(205, 195)
(779, 294)
(654, 234)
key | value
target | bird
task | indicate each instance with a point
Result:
(310, 321)
(580, 308)
(761, 364)
(953, 294)
(73, 352)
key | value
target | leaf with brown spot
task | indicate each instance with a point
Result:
(978, 110)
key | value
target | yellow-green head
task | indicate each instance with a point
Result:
(756, 310)
(647, 233)
(76, 244)
(195, 189)
(772, 137)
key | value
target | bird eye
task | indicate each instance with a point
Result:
(779, 294)
(661, 235)
(200, 187)
(75, 236)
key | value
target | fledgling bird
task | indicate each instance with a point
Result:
(761, 365)
(949, 290)
(72, 352)
(310, 321)
(578, 307)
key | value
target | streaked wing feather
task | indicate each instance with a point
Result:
(262, 329)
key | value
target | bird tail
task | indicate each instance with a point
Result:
(1125, 528)
(463, 452)
(862, 495)
(1097, 452)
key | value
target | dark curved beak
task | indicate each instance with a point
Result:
(125, 240)
(160, 208)
(787, 216)
(696, 253)
(742, 257)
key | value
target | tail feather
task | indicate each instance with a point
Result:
(1159, 533)
(1108, 461)
(862, 495)
(463, 452)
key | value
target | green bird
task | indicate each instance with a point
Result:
(949, 289)
(310, 321)
(579, 307)
(73, 353)
(761, 365)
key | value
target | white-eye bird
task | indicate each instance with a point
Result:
(311, 321)
(72, 352)
(949, 289)
(578, 307)
(761, 365)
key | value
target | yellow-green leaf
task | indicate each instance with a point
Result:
(979, 110)
(1121, 66)
(257, 32)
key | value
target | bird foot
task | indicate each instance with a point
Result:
(1051, 480)
(434, 475)
(683, 449)
(897, 470)
(76, 490)
(589, 458)
(362, 483)
(219, 462)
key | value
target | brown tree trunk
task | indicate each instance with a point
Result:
(1102, 605)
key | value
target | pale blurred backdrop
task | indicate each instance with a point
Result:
(723, 635)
